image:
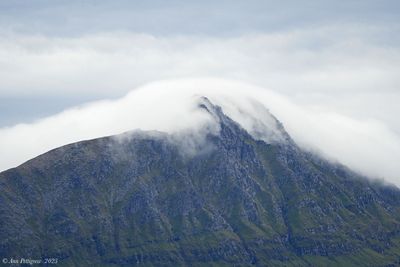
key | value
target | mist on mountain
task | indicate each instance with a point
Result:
(170, 106)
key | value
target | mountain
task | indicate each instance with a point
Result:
(140, 199)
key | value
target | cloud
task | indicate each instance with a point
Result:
(335, 87)
(364, 145)
(322, 59)
(343, 69)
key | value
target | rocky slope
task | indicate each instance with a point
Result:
(237, 201)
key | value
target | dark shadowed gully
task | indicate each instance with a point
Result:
(139, 201)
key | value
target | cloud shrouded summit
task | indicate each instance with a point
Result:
(172, 106)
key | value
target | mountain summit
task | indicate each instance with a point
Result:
(236, 199)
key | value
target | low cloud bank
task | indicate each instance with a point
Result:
(341, 67)
(366, 146)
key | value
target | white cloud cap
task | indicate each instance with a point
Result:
(364, 145)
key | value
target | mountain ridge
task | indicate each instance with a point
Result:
(139, 200)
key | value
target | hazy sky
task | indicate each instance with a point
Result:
(340, 59)
(52, 49)
(219, 18)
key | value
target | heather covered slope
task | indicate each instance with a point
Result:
(235, 200)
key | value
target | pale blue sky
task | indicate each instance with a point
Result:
(223, 17)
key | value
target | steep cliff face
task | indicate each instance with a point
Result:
(140, 200)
